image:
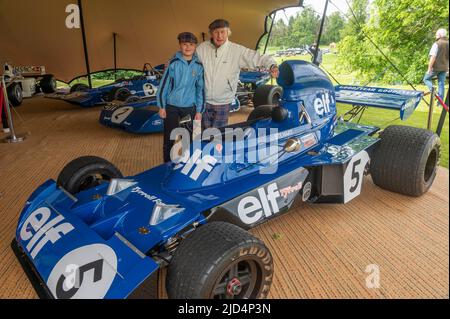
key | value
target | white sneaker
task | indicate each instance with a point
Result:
(6, 130)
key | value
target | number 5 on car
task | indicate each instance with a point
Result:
(353, 176)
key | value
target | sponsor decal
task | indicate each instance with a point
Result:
(39, 230)
(149, 197)
(84, 273)
(197, 164)
(306, 191)
(309, 140)
(253, 208)
(157, 122)
(290, 189)
(267, 200)
(322, 103)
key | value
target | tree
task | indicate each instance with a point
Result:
(402, 29)
(334, 24)
(305, 28)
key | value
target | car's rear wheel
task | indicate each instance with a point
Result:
(267, 95)
(120, 94)
(48, 84)
(406, 159)
(79, 87)
(15, 94)
(86, 172)
(220, 261)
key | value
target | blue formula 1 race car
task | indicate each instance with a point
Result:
(96, 234)
(144, 85)
(139, 115)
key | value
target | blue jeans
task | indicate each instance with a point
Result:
(441, 81)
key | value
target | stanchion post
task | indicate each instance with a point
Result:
(12, 138)
(430, 113)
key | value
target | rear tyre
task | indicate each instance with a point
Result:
(261, 112)
(405, 161)
(267, 95)
(79, 87)
(15, 94)
(120, 94)
(48, 84)
(86, 172)
(220, 261)
(132, 99)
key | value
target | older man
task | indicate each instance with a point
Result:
(438, 63)
(222, 61)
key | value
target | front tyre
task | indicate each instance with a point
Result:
(220, 261)
(267, 95)
(86, 172)
(406, 159)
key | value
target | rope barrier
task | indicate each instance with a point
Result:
(445, 106)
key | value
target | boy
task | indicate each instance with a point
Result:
(181, 90)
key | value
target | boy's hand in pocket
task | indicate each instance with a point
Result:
(162, 113)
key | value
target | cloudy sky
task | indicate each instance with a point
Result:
(318, 6)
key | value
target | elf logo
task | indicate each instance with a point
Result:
(252, 208)
(322, 103)
(196, 164)
(38, 230)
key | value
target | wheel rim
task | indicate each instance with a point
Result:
(430, 166)
(92, 180)
(241, 280)
(122, 94)
(18, 93)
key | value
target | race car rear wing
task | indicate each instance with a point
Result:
(405, 101)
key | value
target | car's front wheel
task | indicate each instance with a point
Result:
(86, 172)
(220, 261)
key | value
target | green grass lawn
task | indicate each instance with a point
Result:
(95, 83)
(379, 117)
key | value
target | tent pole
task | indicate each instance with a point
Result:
(270, 32)
(319, 36)
(115, 56)
(83, 33)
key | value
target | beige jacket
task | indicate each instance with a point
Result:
(222, 67)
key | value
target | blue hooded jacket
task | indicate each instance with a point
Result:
(182, 84)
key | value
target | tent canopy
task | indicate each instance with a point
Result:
(35, 32)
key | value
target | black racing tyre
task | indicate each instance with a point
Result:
(405, 161)
(132, 99)
(79, 87)
(119, 93)
(48, 84)
(86, 172)
(15, 94)
(267, 95)
(261, 112)
(220, 261)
